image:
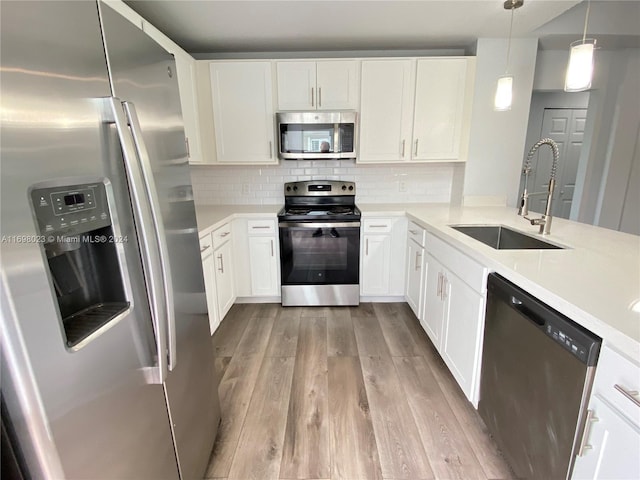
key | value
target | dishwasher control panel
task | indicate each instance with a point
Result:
(570, 344)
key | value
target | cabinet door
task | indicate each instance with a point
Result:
(264, 266)
(614, 445)
(386, 110)
(439, 108)
(433, 316)
(415, 269)
(462, 334)
(376, 264)
(209, 271)
(189, 103)
(224, 279)
(243, 112)
(296, 85)
(337, 85)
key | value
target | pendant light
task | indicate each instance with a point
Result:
(504, 89)
(580, 68)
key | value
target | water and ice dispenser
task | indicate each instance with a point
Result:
(81, 250)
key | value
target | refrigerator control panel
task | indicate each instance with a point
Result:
(71, 209)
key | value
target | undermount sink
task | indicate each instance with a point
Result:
(504, 238)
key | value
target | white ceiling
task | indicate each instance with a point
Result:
(215, 26)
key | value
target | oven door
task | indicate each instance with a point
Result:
(315, 253)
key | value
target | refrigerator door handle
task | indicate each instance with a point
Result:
(149, 252)
(154, 203)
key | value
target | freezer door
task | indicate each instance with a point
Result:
(144, 77)
(106, 416)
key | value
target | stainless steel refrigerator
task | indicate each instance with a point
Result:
(107, 363)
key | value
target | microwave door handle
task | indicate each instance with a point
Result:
(337, 148)
(148, 248)
(161, 239)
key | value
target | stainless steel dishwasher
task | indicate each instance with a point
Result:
(537, 371)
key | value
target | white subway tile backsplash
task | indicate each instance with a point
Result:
(375, 183)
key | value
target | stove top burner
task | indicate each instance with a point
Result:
(298, 211)
(316, 211)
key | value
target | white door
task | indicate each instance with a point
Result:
(415, 268)
(463, 324)
(296, 85)
(375, 264)
(439, 108)
(264, 266)
(614, 442)
(209, 271)
(433, 316)
(337, 85)
(386, 110)
(566, 127)
(243, 112)
(224, 279)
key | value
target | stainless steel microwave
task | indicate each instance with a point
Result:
(316, 135)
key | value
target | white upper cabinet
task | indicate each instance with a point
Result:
(415, 110)
(243, 114)
(386, 110)
(441, 102)
(321, 85)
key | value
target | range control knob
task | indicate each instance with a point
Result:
(344, 187)
(295, 188)
(288, 189)
(350, 187)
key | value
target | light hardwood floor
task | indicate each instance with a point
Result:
(341, 393)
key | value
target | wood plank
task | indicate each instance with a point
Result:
(255, 337)
(353, 447)
(398, 337)
(341, 340)
(402, 454)
(266, 310)
(446, 445)
(284, 337)
(306, 443)
(489, 456)
(363, 310)
(227, 336)
(369, 337)
(259, 449)
(235, 390)
(315, 312)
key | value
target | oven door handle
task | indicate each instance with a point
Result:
(319, 224)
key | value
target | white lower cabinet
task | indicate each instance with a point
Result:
(209, 272)
(453, 314)
(611, 439)
(382, 257)
(264, 258)
(223, 260)
(415, 269)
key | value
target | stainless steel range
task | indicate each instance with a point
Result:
(320, 244)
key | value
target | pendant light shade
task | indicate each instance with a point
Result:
(580, 69)
(504, 89)
(504, 94)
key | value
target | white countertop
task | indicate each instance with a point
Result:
(594, 281)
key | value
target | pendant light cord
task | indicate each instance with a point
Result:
(586, 21)
(510, 31)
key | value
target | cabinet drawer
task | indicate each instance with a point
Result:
(260, 227)
(417, 233)
(221, 235)
(613, 371)
(468, 270)
(206, 245)
(377, 225)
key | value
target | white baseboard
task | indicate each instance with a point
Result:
(369, 299)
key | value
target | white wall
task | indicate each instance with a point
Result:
(497, 139)
(263, 185)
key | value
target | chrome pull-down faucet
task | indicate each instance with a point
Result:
(545, 221)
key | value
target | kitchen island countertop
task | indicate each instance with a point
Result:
(595, 281)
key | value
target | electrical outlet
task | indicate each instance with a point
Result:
(245, 189)
(402, 186)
